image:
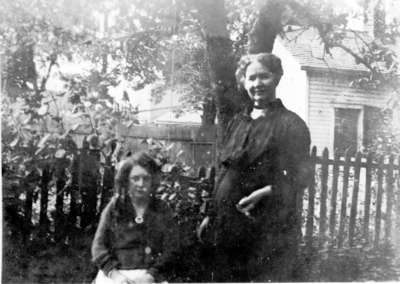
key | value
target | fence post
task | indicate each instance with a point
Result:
(343, 208)
(44, 198)
(60, 183)
(74, 194)
(211, 176)
(27, 186)
(389, 199)
(324, 196)
(311, 197)
(332, 216)
(353, 211)
(202, 172)
(367, 203)
(379, 202)
(397, 202)
(89, 174)
(108, 177)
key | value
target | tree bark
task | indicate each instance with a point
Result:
(266, 27)
(221, 62)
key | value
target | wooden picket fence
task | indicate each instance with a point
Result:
(331, 218)
(362, 214)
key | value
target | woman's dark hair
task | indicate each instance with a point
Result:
(269, 60)
(142, 159)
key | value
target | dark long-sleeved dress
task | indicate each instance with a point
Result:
(122, 243)
(270, 150)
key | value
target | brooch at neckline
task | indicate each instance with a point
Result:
(139, 220)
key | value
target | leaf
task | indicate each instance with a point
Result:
(180, 153)
(43, 109)
(76, 126)
(43, 141)
(15, 142)
(60, 153)
(27, 120)
(128, 124)
(170, 146)
(164, 196)
(98, 107)
(84, 115)
(108, 104)
(38, 151)
(56, 118)
(172, 196)
(166, 168)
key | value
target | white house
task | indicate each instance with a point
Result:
(317, 87)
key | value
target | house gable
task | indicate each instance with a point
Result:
(329, 97)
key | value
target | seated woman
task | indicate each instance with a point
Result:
(136, 236)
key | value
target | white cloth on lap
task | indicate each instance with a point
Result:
(137, 275)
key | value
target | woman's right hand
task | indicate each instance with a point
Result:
(118, 278)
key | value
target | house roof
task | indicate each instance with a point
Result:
(306, 46)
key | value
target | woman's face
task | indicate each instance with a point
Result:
(260, 84)
(140, 183)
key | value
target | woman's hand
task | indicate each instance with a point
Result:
(247, 203)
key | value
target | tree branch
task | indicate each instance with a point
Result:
(53, 61)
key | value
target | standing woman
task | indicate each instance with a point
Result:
(136, 236)
(264, 168)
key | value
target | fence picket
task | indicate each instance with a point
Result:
(74, 192)
(343, 214)
(60, 183)
(379, 202)
(367, 202)
(28, 209)
(202, 172)
(332, 216)
(44, 198)
(108, 181)
(389, 198)
(353, 211)
(85, 177)
(311, 197)
(89, 177)
(324, 196)
(211, 175)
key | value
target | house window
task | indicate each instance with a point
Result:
(373, 125)
(347, 130)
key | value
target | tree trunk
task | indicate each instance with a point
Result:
(221, 61)
(266, 27)
(221, 58)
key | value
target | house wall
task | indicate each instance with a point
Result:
(293, 87)
(330, 90)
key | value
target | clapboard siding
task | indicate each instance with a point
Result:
(327, 91)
